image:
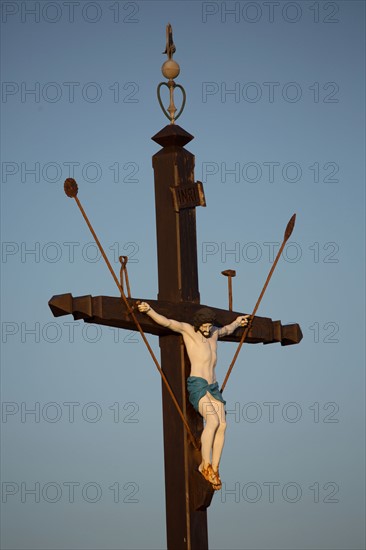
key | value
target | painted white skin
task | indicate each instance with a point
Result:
(201, 349)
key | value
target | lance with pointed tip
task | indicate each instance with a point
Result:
(288, 231)
(71, 190)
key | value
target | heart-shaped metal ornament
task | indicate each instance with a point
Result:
(170, 111)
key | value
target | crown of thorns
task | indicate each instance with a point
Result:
(202, 316)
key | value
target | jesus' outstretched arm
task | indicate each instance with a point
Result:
(144, 307)
(240, 321)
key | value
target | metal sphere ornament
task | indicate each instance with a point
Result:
(170, 69)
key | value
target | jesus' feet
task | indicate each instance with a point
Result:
(210, 476)
(218, 483)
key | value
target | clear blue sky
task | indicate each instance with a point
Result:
(275, 100)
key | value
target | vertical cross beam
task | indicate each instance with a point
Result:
(178, 282)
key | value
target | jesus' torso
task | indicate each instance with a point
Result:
(202, 352)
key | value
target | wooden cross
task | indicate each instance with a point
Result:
(177, 195)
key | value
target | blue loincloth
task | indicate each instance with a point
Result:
(198, 387)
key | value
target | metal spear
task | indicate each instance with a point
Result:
(288, 231)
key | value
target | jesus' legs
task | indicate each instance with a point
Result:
(208, 410)
(212, 439)
(219, 438)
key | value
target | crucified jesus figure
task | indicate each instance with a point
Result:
(200, 340)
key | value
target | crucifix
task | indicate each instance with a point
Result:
(177, 194)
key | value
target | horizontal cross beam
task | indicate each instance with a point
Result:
(111, 311)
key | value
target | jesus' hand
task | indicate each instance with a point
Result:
(242, 320)
(143, 307)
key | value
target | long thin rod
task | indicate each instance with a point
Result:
(288, 231)
(165, 380)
